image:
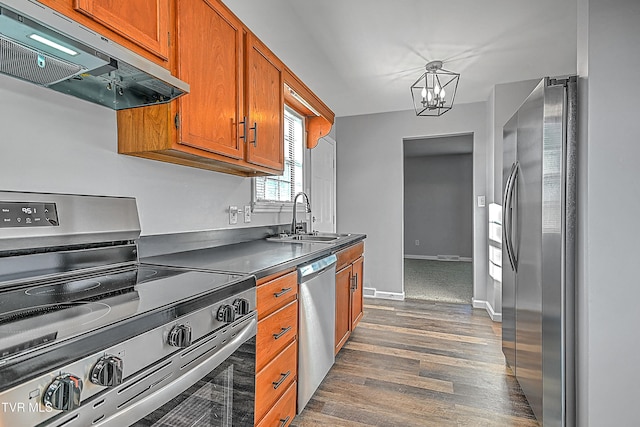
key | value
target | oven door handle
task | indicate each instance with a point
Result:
(138, 410)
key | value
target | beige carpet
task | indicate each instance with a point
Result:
(445, 281)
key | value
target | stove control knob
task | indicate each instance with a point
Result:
(180, 336)
(242, 306)
(63, 393)
(107, 372)
(226, 313)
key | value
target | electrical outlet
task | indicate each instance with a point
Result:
(233, 214)
(247, 213)
(417, 242)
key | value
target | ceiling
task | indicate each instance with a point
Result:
(361, 56)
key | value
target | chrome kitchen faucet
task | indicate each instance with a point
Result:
(294, 223)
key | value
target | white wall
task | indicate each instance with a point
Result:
(608, 212)
(370, 185)
(438, 205)
(55, 143)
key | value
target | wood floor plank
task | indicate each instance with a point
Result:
(415, 363)
(430, 334)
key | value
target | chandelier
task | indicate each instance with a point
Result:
(433, 93)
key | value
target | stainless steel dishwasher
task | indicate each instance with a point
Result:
(317, 316)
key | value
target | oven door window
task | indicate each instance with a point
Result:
(223, 398)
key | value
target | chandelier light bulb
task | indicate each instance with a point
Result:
(429, 96)
(424, 93)
(442, 94)
(436, 90)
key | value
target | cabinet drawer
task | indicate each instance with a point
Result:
(275, 332)
(348, 255)
(277, 293)
(283, 412)
(275, 378)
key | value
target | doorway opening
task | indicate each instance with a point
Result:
(438, 218)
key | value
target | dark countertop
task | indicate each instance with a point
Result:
(258, 257)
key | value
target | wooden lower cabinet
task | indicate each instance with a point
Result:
(357, 294)
(275, 378)
(343, 302)
(349, 292)
(275, 332)
(277, 349)
(283, 412)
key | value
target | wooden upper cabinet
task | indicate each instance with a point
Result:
(143, 26)
(210, 58)
(232, 120)
(144, 22)
(265, 106)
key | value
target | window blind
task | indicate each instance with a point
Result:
(283, 188)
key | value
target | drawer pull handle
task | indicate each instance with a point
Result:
(284, 422)
(282, 332)
(283, 377)
(282, 292)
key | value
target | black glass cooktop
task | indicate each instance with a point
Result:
(34, 315)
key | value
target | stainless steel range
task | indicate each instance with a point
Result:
(89, 336)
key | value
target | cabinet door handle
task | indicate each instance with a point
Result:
(282, 332)
(283, 377)
(244, 127)
(284, 422)
(255, 134)
(354, 282)
(282, 292)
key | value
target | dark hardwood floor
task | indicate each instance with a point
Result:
(418, 363)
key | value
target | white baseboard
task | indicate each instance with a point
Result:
(440, 257)
(373, 293)
(496, 317)
(478, 303)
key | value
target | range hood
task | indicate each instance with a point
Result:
(40, 46)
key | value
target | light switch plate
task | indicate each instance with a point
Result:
(481, 201)
(233, 214)
(247, 213)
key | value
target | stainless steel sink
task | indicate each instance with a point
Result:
(308, 238)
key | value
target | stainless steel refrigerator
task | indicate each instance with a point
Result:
(538, 249)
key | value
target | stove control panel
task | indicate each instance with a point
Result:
(28, 214)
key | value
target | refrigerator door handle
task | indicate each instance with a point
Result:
(508, 223)
(514, 183)
(507, 211)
